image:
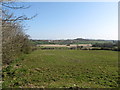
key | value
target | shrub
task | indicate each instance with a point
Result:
(15, 42)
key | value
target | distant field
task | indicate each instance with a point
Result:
(57, 45)
(78, 42)
(64, 68)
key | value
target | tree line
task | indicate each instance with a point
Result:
(108, 46)
(15, 41)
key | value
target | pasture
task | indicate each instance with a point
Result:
(63, 69)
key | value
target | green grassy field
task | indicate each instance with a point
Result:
(63, 68)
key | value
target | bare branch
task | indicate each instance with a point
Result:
(10, 5)
(20, 18)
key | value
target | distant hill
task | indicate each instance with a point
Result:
(73, 41)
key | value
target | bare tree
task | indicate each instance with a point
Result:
(14, 40)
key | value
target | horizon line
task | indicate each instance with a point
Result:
(72, 39)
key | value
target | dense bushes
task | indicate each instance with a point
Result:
(108, 46)
(15, 42)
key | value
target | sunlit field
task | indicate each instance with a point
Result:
(63, 69)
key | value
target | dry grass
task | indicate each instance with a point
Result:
(57, 45)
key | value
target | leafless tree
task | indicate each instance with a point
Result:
(14, 40)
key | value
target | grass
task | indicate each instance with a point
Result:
(64, 68)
